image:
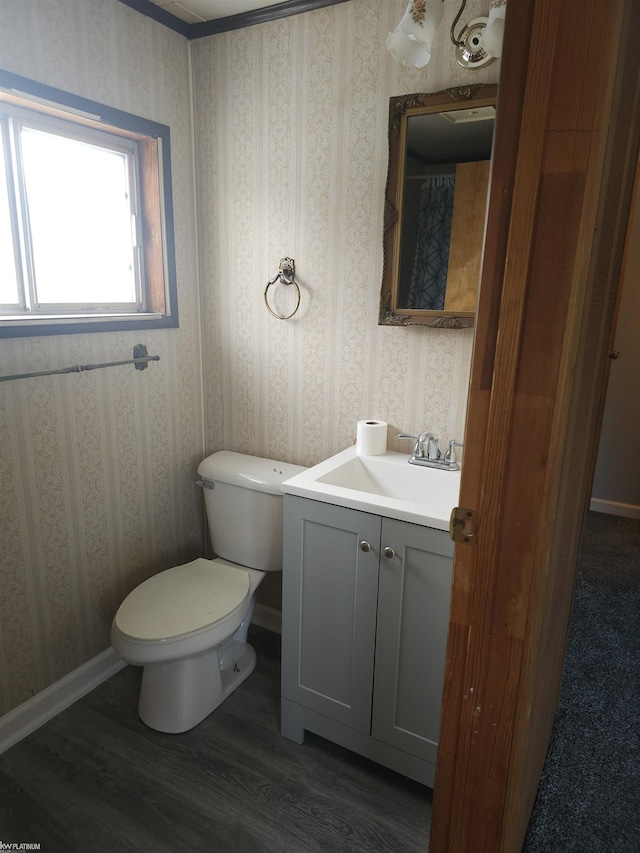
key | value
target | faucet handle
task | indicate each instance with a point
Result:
(418, 449)
(450, 455)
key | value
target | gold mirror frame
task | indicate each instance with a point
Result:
(400, 109)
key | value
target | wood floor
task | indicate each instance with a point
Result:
(96, 780)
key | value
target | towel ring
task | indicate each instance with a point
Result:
(286, 275)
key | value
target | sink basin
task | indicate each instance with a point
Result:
(386, 485)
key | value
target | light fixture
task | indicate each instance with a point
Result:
(493, 34)
(469, 50)
(411, 41)
(477, 43)
(468, 116)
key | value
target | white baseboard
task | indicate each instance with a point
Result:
(267, 617)
(615, 508)
(33, 713)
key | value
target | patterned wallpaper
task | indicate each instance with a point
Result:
(291, 140)
(97, 469)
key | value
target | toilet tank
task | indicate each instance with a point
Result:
(244, 504)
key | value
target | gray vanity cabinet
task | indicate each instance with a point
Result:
(414, 590)
(364, 628)
(330, 590)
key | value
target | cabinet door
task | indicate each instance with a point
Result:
(413, 619)
(329, 596)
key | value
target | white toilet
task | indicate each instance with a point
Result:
(187, 626)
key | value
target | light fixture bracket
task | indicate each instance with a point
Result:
(469, 50)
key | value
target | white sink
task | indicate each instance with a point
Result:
(385, 485)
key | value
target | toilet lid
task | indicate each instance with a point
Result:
(183, 600)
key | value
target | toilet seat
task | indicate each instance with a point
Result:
(183, 601)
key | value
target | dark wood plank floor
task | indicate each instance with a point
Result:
(96, 779)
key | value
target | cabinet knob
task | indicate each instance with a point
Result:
(364, 546)
(389, 552)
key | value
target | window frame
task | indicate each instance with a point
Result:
(156, 226)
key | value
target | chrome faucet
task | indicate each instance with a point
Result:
(433, 451)
(420, 441)
(426, 452)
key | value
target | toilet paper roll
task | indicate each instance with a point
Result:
(371, 437)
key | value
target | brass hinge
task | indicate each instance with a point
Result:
(462, 525)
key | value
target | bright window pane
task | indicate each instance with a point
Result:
(8, 281)
(80, 219)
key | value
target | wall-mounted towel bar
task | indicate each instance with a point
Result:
(140, 359)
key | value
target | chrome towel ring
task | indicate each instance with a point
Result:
(286, 275)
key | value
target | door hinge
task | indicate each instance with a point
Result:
(462, 525)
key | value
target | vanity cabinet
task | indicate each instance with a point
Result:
(365, 614)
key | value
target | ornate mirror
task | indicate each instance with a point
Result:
(439, 154)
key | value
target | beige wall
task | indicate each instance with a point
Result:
(616, 487)
(292, 152)
(96, 468)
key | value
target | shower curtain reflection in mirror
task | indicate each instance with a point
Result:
(431, 239)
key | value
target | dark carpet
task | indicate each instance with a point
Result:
(589, 795)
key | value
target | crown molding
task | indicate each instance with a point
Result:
(231, 22)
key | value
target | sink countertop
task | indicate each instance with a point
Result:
(385, 485)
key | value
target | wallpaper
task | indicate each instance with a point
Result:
(291, 138)
(97, 468)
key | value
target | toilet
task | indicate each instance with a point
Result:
(187, 626)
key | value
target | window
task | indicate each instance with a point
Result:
(86, 225)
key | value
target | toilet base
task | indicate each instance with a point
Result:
(176, 696)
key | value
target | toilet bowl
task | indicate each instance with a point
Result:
(187, 626)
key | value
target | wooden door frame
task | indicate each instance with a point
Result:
(566, 146)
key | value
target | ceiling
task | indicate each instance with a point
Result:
(199, 11)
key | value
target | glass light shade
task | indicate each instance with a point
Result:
(494, 31)
(407, 50)
(410, 42)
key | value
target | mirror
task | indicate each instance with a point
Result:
(439, 154)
